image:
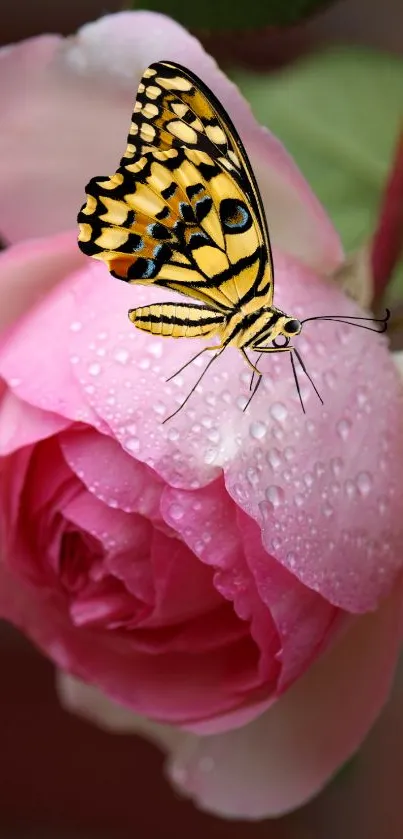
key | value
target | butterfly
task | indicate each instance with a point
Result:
(183, 211)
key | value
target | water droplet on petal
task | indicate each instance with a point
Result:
(278, 411)
(364, 483)
(275, 495)
(257, 430)
(382, 504)
(343, 428)
(289, 453)
(94, 369)
(308, 479)
(361, 396)
(76, 325)
(121, 356)
(252, 476)
(176, 512)
(349, 488)
(291, 558)
(133, 444)
(327, 509)
(155, 349)
(210, 456)
(173, 434)
(336, 465)
(274, 458)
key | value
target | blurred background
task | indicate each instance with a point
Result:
(342, 67)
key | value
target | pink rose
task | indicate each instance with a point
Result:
(194, 571)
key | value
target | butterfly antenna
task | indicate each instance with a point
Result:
(187, 363)
(296, 381)
(307, 374)
(195, 385)
(349, 320)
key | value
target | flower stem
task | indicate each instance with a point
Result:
(387, 243)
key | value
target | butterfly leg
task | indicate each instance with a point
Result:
(220, 350)
(248, 361)
(260, 350)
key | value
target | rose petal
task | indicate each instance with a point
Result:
(22, 424)
(312, 483)
(31, 269)
(44, 167)
(292, 749)
(53, 360)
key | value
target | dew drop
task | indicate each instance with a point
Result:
(94, 369)
(319, 469)
(382, 504)
(74, 359)
(298, 499)
(361, 396)
(133, 444)
(241, 402)
(278, 411)
(213, 436)
(252, 476)
(364, 483)
(343, 428)
(176, 512)
(289, 453)
(76, 325)
(327, 509)
(276, 543)
(257, 430)
(89, 389)
(349, 488)
(308, 479)
(210, 456)
(274, 458)
(15, 382)
(336, 465)
(291, 559)
(275, 495)
(173, 434)
(155, 349)
(121, 356)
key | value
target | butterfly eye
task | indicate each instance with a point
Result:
(280, 341)
(293, 327)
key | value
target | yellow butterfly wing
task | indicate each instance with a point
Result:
(183, 210)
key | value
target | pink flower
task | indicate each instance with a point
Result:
(194, 571)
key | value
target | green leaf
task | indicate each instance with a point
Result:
(339, 115)
(229, 15)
